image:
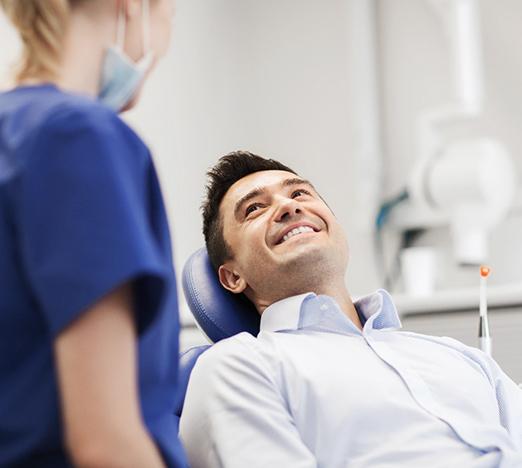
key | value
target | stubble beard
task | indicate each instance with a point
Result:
(313, 271)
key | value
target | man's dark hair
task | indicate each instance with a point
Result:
(228, 170)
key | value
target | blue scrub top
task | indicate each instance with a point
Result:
(81, 213)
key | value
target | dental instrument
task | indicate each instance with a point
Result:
(484, 335)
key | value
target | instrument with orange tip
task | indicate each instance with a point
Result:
(484, 335)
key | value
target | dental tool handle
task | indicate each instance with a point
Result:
(483, 297)
(485, 345)
(484, 336)
(484, 273)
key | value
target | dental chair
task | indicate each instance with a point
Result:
(218, 313)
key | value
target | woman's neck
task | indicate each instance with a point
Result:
(84, 47)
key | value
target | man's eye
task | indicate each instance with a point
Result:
(298, 193)
(251, 208)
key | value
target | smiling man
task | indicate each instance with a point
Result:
(272, 261)
(328, 382)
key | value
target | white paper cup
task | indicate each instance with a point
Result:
(418, 270)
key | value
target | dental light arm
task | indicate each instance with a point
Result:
(468, 183)
(471, 185)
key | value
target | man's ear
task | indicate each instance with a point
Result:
(231, 280)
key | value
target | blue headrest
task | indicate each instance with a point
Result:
(219, 313)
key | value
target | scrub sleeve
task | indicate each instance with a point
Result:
(84, 227)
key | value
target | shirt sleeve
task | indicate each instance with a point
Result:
(507, 392)
(234, 416)
(81, 219)
(509, 397)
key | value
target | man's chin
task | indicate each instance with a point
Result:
(304, 255)
(303, 271)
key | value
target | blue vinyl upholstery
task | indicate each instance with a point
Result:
(186, 363)
(219, 313)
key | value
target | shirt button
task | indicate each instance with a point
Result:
(324, 307)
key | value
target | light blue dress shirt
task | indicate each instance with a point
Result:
(312, 390)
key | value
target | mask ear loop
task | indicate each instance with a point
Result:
(120, 27)
(145, 11)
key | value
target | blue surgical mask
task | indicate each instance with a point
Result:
(121, 76)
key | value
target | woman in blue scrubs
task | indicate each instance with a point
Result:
(88, 310)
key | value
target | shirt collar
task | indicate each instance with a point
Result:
(307, 310)
(284, 314)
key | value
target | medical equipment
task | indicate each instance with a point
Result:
(484, 335)
(466, 183)
(470, 185)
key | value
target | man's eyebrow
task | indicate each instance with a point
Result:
(260, 190)
(297, 181)
(252, 194)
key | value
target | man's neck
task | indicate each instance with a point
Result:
(344, 300)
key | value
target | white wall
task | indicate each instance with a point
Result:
(9, 51)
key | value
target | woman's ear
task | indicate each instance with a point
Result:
(231, 280)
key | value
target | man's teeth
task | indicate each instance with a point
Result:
(296, 231)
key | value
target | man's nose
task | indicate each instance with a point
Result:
(288, 208)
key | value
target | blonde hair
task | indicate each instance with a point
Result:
(41, 25)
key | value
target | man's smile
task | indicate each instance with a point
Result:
(296, 230)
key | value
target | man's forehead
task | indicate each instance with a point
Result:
(258, 180)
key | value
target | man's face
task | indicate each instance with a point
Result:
(281, 234)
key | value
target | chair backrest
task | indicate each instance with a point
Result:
(187, 360)
(219, 313)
